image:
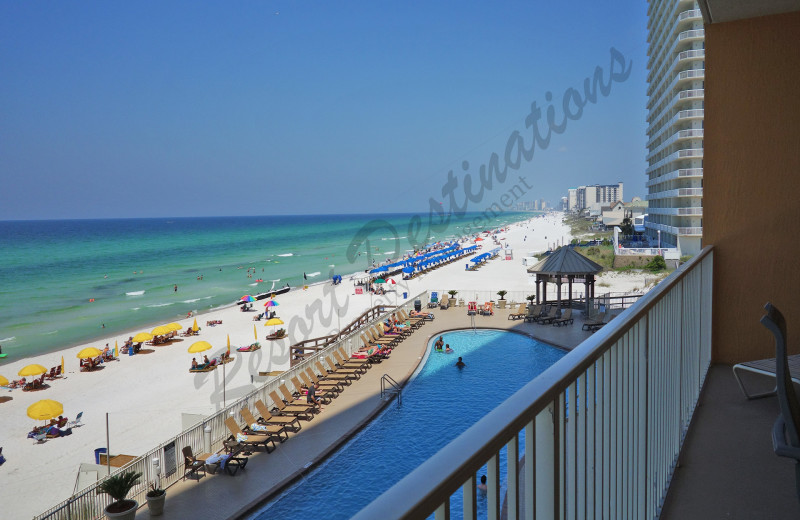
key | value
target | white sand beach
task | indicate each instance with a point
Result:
(146, 394)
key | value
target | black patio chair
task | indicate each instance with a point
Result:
(786, 431)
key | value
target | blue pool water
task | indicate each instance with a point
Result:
(440, 403)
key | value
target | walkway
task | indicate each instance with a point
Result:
(727, 468)
(223, 496)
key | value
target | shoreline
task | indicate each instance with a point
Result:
(157, 384)
(102, 334)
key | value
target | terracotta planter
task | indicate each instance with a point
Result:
(126, 514)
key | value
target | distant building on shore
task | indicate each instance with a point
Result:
(593, 198)
(676, 76)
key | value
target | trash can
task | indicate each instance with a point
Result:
(405, 295)
(97, 453)
(417, 305)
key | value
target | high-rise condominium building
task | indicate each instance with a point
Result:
(596, 196)
(676, 74)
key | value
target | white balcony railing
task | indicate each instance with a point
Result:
(656, 122)
(690, 133)
(682, 116)
(674, 230)
(670, 194)
(677, 212)
(655, 103)
(600, 430)
(687, 153)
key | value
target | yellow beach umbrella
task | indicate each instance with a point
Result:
(32, 370)
(255, 332)
(195, 328)
(160, 330)
(116, 349)
(142, 337)
(199, 346)
(62, 366)
(88, 352)
(274, 321)
(174, 327)
(3, 381)
(45, 409)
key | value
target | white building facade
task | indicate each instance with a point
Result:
(594, 197)
(676, 74)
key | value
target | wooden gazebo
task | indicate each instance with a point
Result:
(565, 266)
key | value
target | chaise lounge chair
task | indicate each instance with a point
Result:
(77, 421)
(766, 367)
(445, 303)
(249, 440)
(534, 313)
(300, 411)
(336, 369)
(551, 315)
(520, 314)
(327, 391)
(566, 318)
(289, 422)
(596, 323)
(334, 384)
(334, 376)
(360, 365)
(786, 431)
(277, 432)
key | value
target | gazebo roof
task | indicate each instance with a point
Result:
(566, 261)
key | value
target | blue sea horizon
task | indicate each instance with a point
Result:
(67, 282)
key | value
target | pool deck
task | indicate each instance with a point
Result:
(224, 496)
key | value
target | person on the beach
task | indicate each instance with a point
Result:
(206, 361)
(460, 363)
(194, 363)
(176, 287)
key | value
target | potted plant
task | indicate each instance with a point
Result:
(452, 293)
(118, 486)
(155, 500)
(502, 294)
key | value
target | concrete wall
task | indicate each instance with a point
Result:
(752, 173)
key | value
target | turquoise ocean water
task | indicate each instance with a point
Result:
(50, 270)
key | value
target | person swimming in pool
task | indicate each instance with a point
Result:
(460, 363)
(439, 343)
(448, 350)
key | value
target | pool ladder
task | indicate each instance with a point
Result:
(390, 388)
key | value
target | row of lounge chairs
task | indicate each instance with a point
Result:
(270, 427)
(543, 314)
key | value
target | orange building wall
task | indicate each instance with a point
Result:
(751, 193)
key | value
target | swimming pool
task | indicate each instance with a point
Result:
(438, 404)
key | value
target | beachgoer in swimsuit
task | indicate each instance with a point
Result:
(460, 363)
(439, 343)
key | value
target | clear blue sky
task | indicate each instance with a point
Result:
(140, 109)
